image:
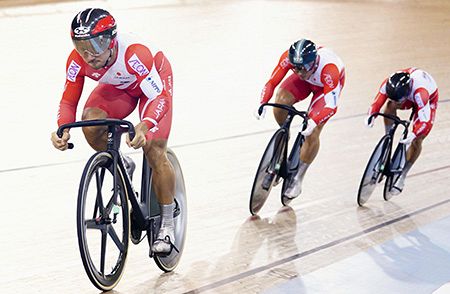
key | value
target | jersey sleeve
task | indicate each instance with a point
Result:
(379, 100)
(72, 89)
(148, 69)
(277, 76)
(330, 78)
(423, 123)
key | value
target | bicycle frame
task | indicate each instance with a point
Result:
(289, 164)
(396, 122)
(143, 214)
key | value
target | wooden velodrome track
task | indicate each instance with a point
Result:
(221, 52)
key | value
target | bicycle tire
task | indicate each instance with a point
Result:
(284, 199)
(288, 178)
(396, 168)
(168, 263)
(103, 162)
(369, 180)
(259, 195)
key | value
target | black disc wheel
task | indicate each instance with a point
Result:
(267, 171)
(169, 262)
(374, 170)
(103, 222)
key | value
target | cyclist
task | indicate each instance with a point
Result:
(406, 89)
(316, 70)
(128, 72)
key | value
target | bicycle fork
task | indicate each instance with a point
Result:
(274, 166)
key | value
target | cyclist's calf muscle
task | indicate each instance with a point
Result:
(163, 172)
(311, 145)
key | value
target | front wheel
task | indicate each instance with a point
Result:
(374, 170)
(264, 178)
(169, 262)
(103, 222)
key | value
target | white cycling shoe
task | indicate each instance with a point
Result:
(164, 241)
(295, 187)
(397, 188)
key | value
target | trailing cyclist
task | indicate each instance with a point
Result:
(316, 70)
(128, 72)
(406, 89)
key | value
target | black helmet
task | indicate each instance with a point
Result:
(93, 30)
(397, 86)
(302, 54)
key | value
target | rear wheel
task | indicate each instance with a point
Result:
(169, 262)
(374, 170)
(264, 178)
(284, 199)
(396, 168)
(103, 222)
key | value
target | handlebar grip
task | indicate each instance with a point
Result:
(260, 110)
(132, 133)
(70, 146)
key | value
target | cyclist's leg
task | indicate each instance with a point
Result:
(291, 91)
(310, 147)
(105, 101)
(415, 148)
(163, 181)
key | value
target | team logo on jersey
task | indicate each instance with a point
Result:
(419, 100)
(153, 84)
(154, 129)
(137, 65)
(72, 71)
(284, 63)
(96, 75)
(328, 80)
(160, 107)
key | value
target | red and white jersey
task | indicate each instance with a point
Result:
(329, 74)
(423, 95)
(135, 70)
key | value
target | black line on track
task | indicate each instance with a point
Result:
(192, 143)
(254, 271)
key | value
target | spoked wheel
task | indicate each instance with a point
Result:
(103, 222)
(273, 156)
(396, 168)
(374, 170)
(169, 262)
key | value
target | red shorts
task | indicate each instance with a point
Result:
(119, 104)
(301, 89)
(433, 106)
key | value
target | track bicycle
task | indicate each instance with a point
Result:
(106, 222)
(275, 163)
(383, 163)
